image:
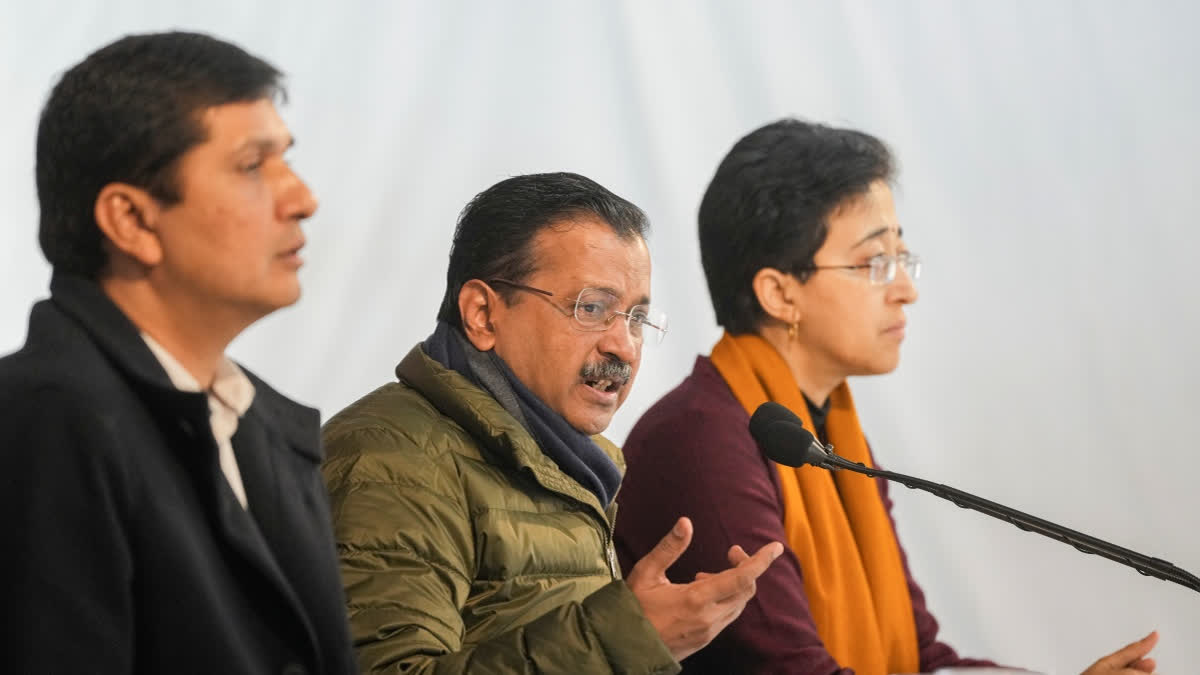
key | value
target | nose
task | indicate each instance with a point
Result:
(295, 201)
(617, 342)
(902, 289)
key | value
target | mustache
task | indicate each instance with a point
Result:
(611, 369)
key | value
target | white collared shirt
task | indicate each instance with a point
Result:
(229, 398)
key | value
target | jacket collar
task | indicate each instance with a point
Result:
(85, 302)
(490, 424)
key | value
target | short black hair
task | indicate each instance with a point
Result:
(495, 232)
(127, 113)
(769, 203)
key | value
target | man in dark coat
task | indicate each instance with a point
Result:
(162, 508)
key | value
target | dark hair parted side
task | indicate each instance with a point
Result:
(495, 232)
(768, 206)
(127, 113)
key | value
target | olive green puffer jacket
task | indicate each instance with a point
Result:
(464, 549)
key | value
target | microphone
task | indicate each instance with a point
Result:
(778, 430)
(783, 438)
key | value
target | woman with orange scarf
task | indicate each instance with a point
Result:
(810, 277)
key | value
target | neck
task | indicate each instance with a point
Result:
(811, 375)
(195, 332)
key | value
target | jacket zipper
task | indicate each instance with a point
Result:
(610, 552)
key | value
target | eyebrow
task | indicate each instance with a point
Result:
(644, 300)
(265, 144)
(879, 233)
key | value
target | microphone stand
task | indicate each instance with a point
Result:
(1146, 565)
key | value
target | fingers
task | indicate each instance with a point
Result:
(653, 566)
(1134, 651)
(740, 579)
(688, 616)
(762, 558)
(737, 554)
(1146, 665)
(1132, 655)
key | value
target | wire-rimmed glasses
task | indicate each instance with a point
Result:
(595, 309)
(881, 268)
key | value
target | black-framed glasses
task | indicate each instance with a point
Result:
(595, 309)
(881, 268)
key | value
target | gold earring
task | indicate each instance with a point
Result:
(793, 328)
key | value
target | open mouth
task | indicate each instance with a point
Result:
(606, 386)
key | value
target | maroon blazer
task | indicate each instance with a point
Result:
(692, 455)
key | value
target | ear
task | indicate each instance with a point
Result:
(477, 303)
(777, 294)
(127, 216)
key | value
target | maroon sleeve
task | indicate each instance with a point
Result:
(692, 455)
(934, 653)
(699, 460)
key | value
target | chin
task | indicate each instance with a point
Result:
(262, 306)
(883, 366)
(590, 425)
(286, 296)
(290, 300)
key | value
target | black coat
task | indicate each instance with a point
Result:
(126, 549)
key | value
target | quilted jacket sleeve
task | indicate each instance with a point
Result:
(406, 554)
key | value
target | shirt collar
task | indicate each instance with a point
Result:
(230, 386)
(818, 413)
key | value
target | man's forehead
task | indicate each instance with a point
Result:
(246, 124)
(590, 254)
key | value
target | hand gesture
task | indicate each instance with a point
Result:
(1128, 660)
(688, 616)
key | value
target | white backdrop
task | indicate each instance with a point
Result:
(1048, 152)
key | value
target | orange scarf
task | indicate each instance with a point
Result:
(835, 523)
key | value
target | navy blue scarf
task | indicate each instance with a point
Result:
(573, 451)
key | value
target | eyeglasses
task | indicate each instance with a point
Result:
(882, 267)
(594, 310)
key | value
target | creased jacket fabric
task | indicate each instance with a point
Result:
(126, 549)
(463, 548)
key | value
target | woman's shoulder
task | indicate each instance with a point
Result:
(701, 412)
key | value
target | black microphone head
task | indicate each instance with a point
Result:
(783, 437)
(767, 413)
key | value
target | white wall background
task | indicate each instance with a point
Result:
(1049, 153)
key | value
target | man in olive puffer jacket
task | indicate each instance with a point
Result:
(473, 499)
